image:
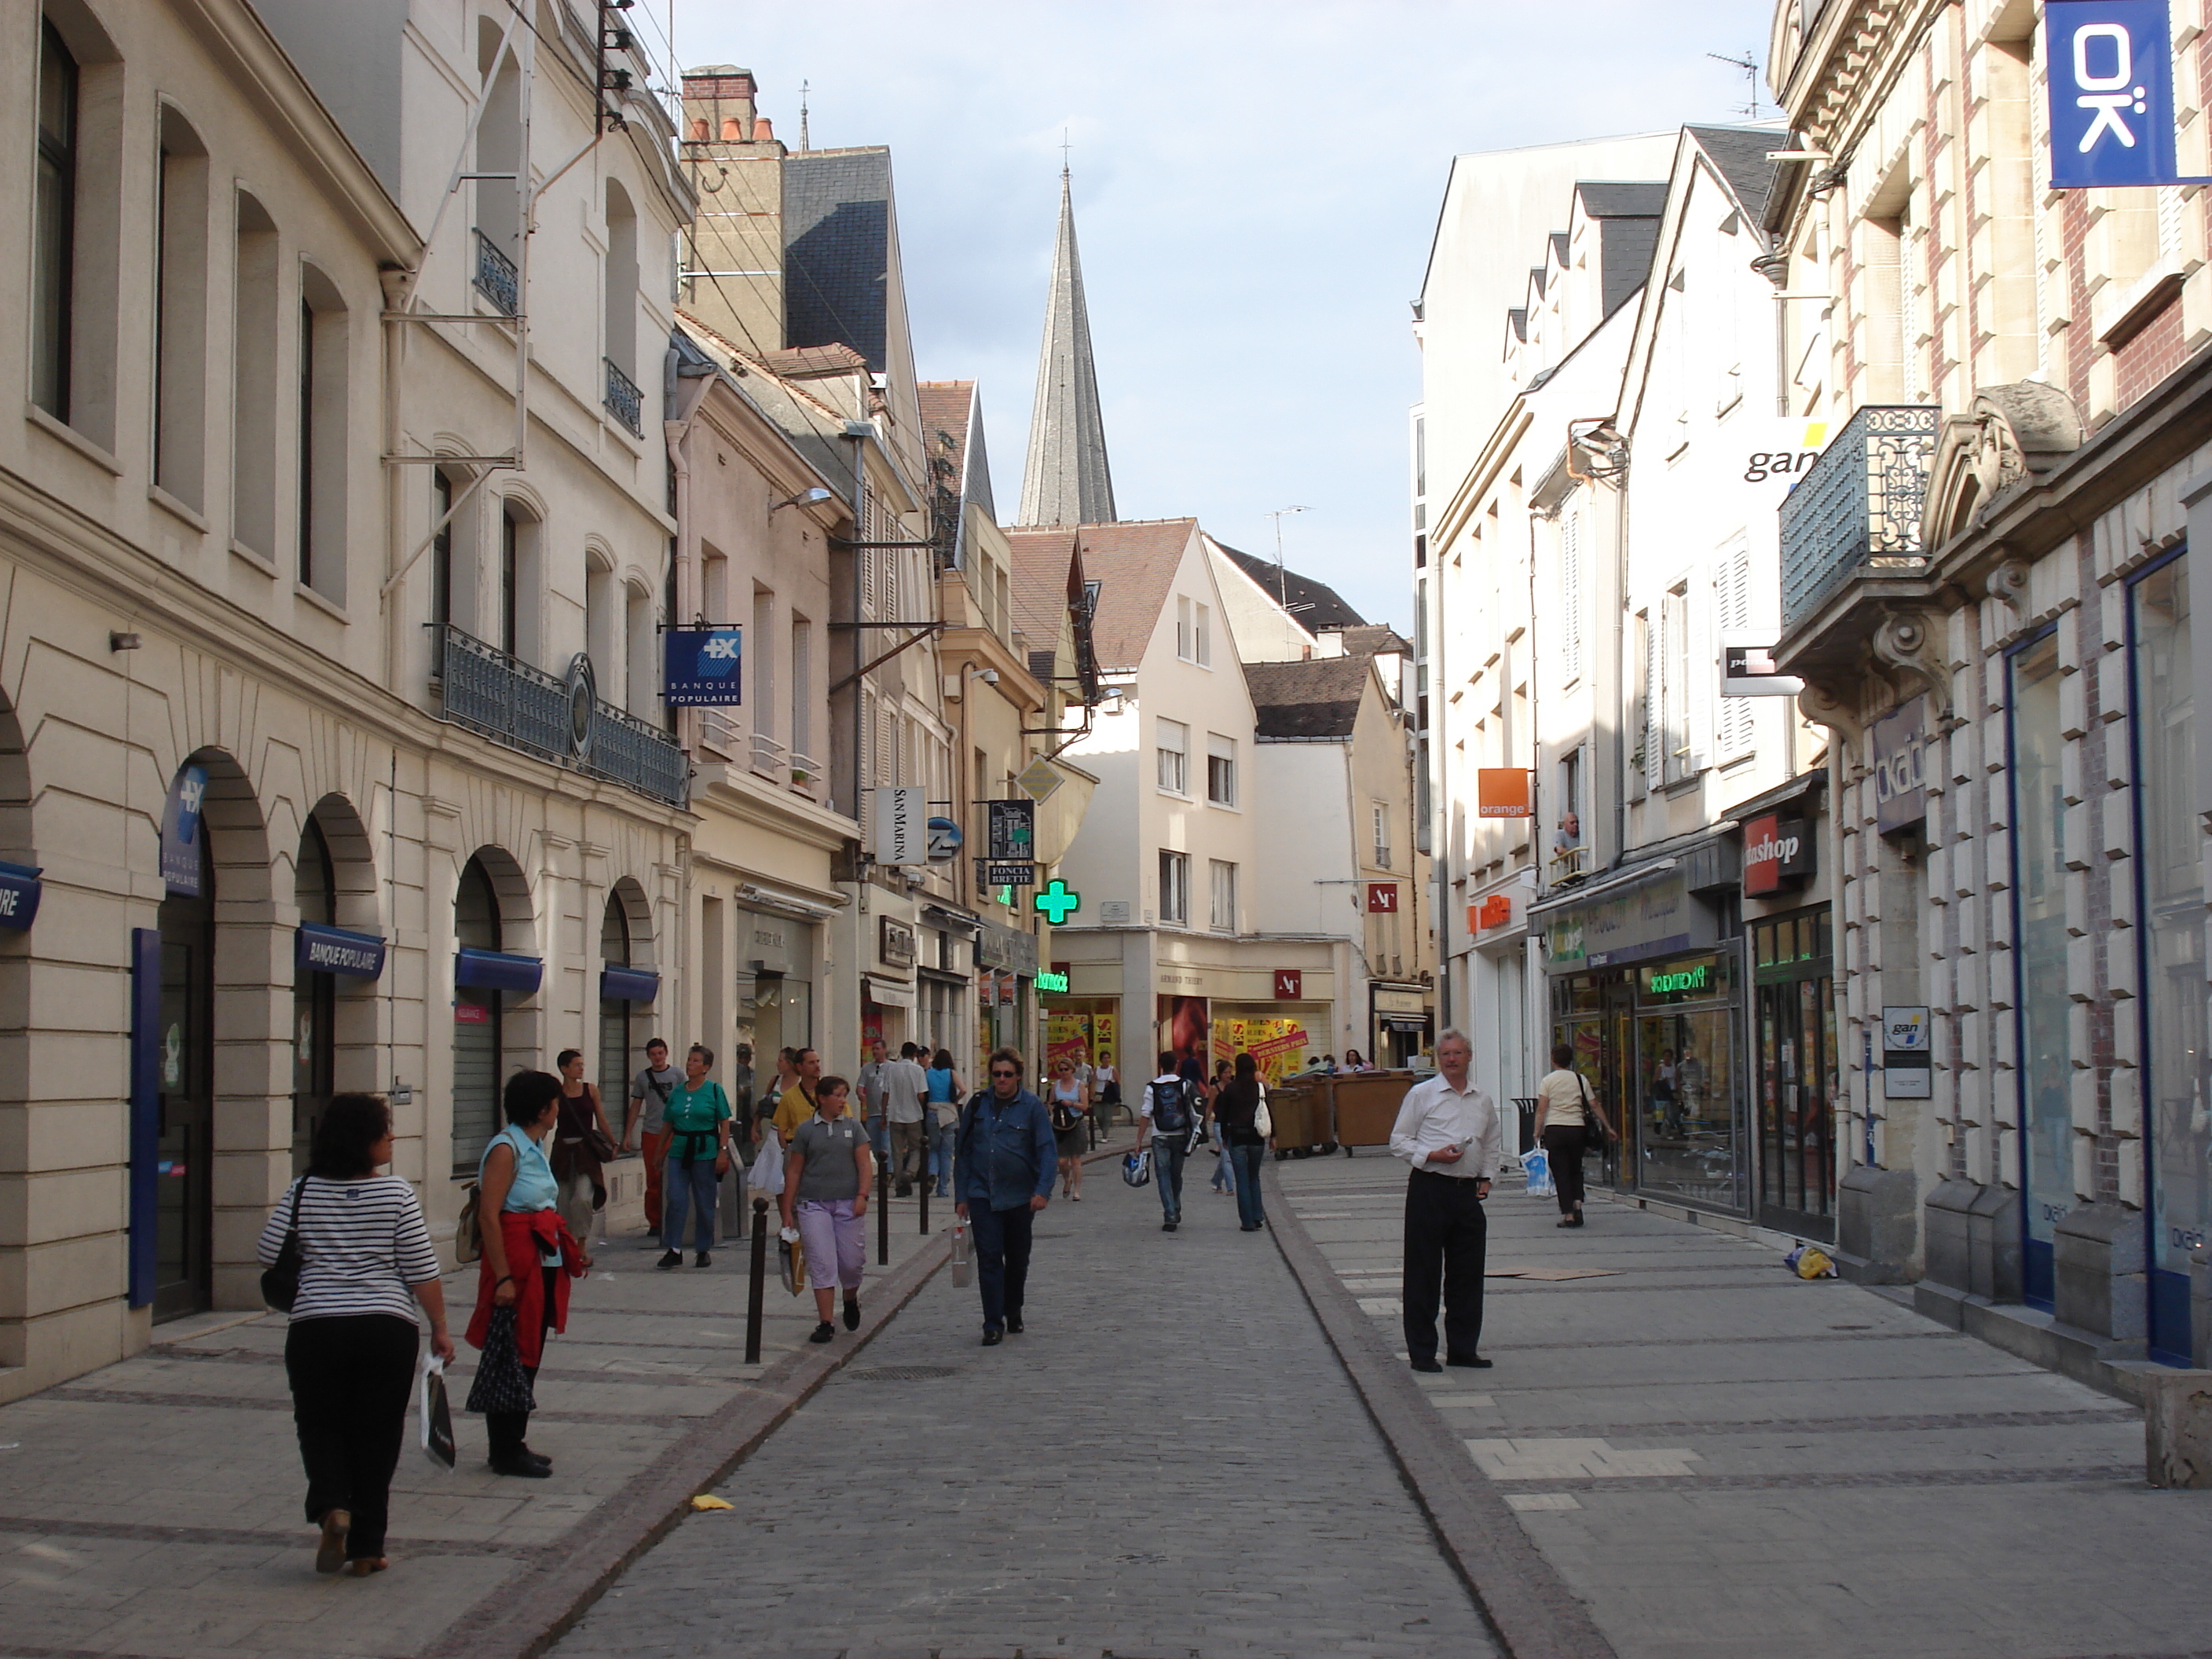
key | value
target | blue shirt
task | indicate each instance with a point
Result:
(534, 1187)
(1004, 1155)
(940, 1083)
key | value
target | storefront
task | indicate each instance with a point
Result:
(1005, 993)
(775, 985)
(1400, 1024)
(1281, 1036)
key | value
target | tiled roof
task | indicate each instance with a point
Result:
(1314, 605)
(803, 363)
(1039, 584)
(1316, 698)
(1133, 562)
(1376, 637)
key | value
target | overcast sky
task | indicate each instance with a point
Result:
(1256, 185)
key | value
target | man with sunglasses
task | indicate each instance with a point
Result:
(1004, 1165)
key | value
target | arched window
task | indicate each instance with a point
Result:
(479, 1018)
(183, 1276)
(615, 1015)
(314, 996)
(621, 281)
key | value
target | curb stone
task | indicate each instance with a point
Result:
(1527, 1603)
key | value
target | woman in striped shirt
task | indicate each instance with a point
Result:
(365, 1262)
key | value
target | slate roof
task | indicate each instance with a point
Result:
(1314, 605)
(1316, 698)
(837, 250)
(1627, 215)
(1065, 478)
(1740, 154)
(1133, 562)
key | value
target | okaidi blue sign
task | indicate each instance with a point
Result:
(180, 831)
(2112, 93)
(701, 666)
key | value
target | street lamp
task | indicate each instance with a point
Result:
(813, 497)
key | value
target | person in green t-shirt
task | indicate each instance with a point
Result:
(697, 1120)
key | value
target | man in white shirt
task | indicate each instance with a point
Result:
(1448, 1130)
(871, 1086)
(906, 1097)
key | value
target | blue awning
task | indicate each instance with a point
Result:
(627, 984)
(322, 950)
(19, 890)
(495, 971)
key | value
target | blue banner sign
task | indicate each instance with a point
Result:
(321, 950)
(627, 984)
(19, 890)
(496, 970)
(700, 667)
(2112, 93)
(180, 831)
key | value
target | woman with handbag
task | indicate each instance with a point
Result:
(698, 1119)
(946, 1094)
(1566, 1113)
(1071, 1107)
(1237, 1109)
(825, 1201)
(522, 1277)
(583, 1142)
(349, 1258)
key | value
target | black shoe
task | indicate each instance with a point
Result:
(670, 1258)
(852, 1314)
(1249, 1227)
(522, 1467)
(1013, 1325)
(822, 1331)
(1167, 1226)
(1425, 1364)
(903, 1190)
(1474, 1361)
(706, 1259)
(993, 1336)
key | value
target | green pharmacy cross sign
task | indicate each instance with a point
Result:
(1056, 903)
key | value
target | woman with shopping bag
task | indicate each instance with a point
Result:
(522, 1277)
(1568, 1119)
(825, 1198)
(350, 1258)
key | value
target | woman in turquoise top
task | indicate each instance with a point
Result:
(529, 1256)
(945, 1093)
(697, 1119)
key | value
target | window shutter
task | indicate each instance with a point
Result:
(1570, 595)
(1732, 605)
(1654, 756)
(1704, 678)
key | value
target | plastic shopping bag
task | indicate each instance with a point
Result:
(436, 1415)
(1538, 1164)
(963, 1256)
(1809, 1262)
(767, 1175)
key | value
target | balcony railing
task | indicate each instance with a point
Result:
(1857, 508)
(526, 708)
(624, 401)
(767, 756)
(497, 280)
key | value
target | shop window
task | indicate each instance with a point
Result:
(2045, 1067)
(1172, 746)
(181, 296)
(254, 399)
(2176, 1084)
(1175, 887)
(479, 1024)
(1223, 915)
(1220, 769)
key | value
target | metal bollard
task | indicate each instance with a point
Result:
(928, 1182)
(884, 1214)
(753, 1303)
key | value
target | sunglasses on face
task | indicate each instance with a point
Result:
(1005, 1074)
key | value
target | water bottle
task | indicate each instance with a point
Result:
(963, 1255)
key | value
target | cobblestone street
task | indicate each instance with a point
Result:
(1169, 1461)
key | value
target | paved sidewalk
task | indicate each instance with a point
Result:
(1726, 1461)
(1169, 1461)
(152, 1508)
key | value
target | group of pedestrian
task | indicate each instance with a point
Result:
(1179, 1110)
(910, 1104)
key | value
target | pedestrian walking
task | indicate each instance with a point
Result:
(871, 1099)
(1105, 1088)
(827, 1178)
(1568, 1119)
(945, 1093)
(644, 1131)
(1237, 1108)
(528, 1259)
(1004, 1165)
(906, 1108)
(1448, 1130)
(1070, 1108)
(1225, 1167)
(366, 1261)
(698, 1119)
(797, 1102)
(579, 1140)
(1165, 1118)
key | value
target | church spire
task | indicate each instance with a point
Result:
(1067, 480)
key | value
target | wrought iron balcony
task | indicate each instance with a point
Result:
(1857, 508)
(497, 279)
(623, 400)
(563, 721)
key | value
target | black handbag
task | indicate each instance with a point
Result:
(501, 1384)
(280, 1280)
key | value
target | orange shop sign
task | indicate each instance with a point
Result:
(1503, 792)
(1496, 911)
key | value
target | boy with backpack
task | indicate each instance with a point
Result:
(1167, 1116)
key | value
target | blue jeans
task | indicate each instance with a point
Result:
(941, 1136)
(1168, 1154)
(683, 1189)
(1224, 1167)
(1250, 1210)
(1002, 1259)
(880, 1139)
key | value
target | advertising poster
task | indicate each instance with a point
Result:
(1186, 1026)
(1105, 1039)
(1066, 1037)
(1278, 1045)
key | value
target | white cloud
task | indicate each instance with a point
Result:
(1254, 188)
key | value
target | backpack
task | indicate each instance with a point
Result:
(1171, 1107)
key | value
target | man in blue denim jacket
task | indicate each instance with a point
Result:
(1004, 1166)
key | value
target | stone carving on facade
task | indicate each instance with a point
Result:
(2013, 433)
(1905, 646)
(1822, 706)
(2008, 582)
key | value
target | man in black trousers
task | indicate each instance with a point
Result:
(1448, 1130)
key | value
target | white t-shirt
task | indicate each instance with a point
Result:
(1565, 1091)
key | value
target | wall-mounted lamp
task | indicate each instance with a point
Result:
(121, 641)
(813, 497)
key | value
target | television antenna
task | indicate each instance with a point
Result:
(1749, 65)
